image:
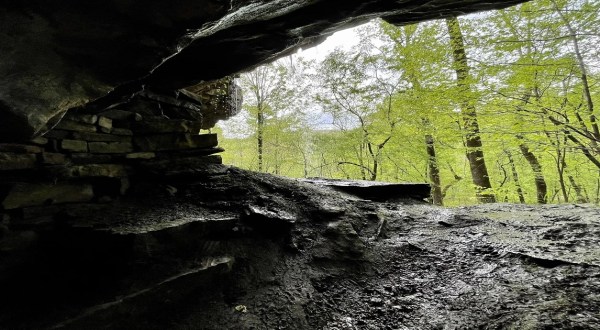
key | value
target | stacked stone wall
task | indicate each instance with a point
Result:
(88, 159)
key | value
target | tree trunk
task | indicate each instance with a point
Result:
(259, 136)
(473, 142)
(515, 176)
(540, 182)
(578, 191)
(434, 171)
(560, 167)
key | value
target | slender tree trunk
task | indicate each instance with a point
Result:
(560, 167)
(578, 191)
(434, 171)
(260, 136)
(587, 95)
(540, 182)
(515, 177)
(473, 142)
(598, 189)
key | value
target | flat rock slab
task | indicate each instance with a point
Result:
(376, 191)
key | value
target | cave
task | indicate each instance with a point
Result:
(117, 212)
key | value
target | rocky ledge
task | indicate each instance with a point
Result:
(58, 55)
(215, 247)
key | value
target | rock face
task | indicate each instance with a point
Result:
(212, 247)
(59, 55)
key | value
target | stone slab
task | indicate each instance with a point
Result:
(376, 191)
(20, 148)
(82, 118)
(141, 155)
(121, 131)
(110, 147)
(100, 137)
(71, 125)
(105, 123)
(117, 114)
(165, 142)
(27, 194)
(162, 125)
(74, 145)
(86, 158)
(52, 158)
(40, 140)
(12, 161)
(191, 152)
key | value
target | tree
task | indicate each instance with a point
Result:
(358, 91)
(479, 172)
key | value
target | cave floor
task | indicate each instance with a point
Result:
(223, 248)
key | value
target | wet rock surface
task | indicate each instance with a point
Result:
(215, 247)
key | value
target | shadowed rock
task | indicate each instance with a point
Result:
(60, 55)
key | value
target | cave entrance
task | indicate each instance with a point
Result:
(407, 104)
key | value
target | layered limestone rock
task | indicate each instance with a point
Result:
(91, 158)
(55, 56)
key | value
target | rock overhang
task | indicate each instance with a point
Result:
(55, 56)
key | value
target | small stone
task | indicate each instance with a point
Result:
(74, 145)
(26, 194)
(105, 123)
(241, 308)
(12, 161)
(110, 147)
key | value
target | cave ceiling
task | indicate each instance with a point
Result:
(57, 55)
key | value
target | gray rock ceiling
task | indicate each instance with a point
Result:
(56, 55)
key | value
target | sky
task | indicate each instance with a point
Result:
(341, 39)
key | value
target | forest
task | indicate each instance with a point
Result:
(497, 106)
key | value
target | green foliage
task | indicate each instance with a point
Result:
(534, 72)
